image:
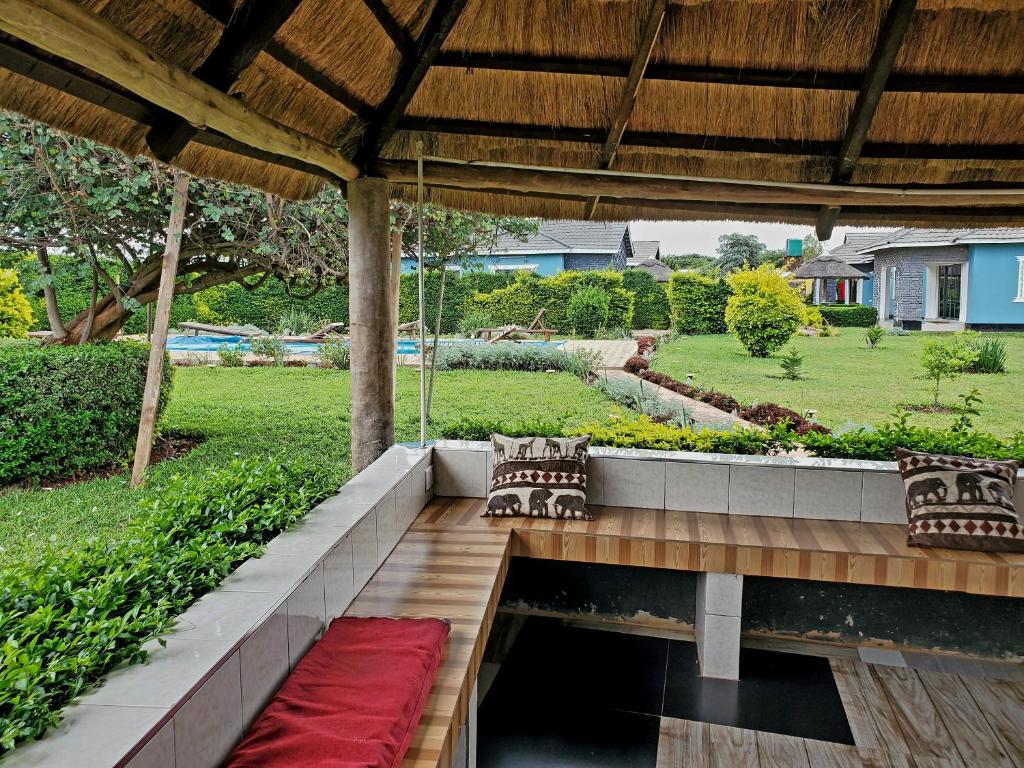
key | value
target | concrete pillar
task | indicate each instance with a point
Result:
(719, 604)
(369, 313)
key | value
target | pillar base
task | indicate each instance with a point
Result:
(717, 626)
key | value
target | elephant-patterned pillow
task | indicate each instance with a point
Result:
(539, 477)
(960, 503)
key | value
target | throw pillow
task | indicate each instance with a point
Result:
(960, 503)
(539, 477)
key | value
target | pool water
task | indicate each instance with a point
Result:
(213, 343)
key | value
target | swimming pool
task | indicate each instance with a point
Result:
(213, 343)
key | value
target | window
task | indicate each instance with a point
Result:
(949, 291)
(1020, 279)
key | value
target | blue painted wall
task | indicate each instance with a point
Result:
(992, 284)
(867, 292)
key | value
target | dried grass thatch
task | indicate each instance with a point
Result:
(356, 64)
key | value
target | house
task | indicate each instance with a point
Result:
(560, 245)
(852, 291)
(644, 250)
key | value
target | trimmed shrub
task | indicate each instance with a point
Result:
(697, 303)
(501, 357)
(772, 414)
(650, 299)
(588, 310)
(645, 344)
(519, 302)
(763, 311)
(66, 409)
(849, 316)
(459, 290)
(635, 364)
(71, 618)
(15, 312)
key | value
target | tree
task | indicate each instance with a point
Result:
(109, 212)
(15, 312)
(692, 261)
(812, 247)
(737, 250)
(947, 359)
(763, 311)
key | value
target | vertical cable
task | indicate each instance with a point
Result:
(423, 322)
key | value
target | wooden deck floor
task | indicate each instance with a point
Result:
(899, 717)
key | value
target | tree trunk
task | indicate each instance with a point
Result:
(155, 370)
(90, 318)
(373, 414)
(437, 335)
(50, 296)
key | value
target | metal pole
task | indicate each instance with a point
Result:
(423, 314)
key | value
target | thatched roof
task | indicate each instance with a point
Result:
(827, 265)
(760, 90)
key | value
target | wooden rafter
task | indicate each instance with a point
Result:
(399, 36)
(624, 109)
(73, 32)
(248, 31)
(410, 74)
(887, 46)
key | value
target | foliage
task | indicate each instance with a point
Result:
(645, 400)
(991, 356)
(635, 364)
(792, 364)
(812, 247)
(588, 310)
(581, 363)
(269, 348)
(697, 303)
(650, 299)
(645, 344)
(812, 317)
(739, 251)
(501, 357)
(231, 355)
(947, 359)
(298, 322)
(334, 354)
(646, 433)
(482, 429)
(715, 399)
(456, 237)
(459, 290)
(697, 262)
(472, 322)
(15, 312)
(615, 333)
(763, 311)
(874, 336)
(849, 315)
(70, 619)
(68, 409)
(518, 302)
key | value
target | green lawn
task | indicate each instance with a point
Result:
(258, 412)
(846, 383)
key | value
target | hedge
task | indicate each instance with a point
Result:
(697, 303)
(519, 302)
(458, 293)
(501, 357)
(65, 409)
(849, 316)
(650, 299)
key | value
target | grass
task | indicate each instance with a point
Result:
(259, 412)
(846, 383)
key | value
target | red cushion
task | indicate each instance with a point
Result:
(354, 700)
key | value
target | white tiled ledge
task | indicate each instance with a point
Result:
(772, 486)
(189, 704)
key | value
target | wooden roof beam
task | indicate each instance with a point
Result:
(71, 31)
(399, 36)
(887, 46)
(247, 32)
(410, 74)
(624, 109)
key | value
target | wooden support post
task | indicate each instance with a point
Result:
(373, 415)
(165, 297)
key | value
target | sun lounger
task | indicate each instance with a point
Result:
(247, 331)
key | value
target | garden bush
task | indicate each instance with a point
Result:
(66, 409)
(15, 312)
(588, 310)
(459, 290)
(635, 364)
(650, 299)
(849, 316)
(270, 349)
(519, 302)
(697, 303)
(335, 354)
(645, 344)
(645, 400)
(991, 357)
(501, 357)
(763, 311)
(71, 618)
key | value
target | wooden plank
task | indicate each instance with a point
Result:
(975, 740)
(671, 735)
(399, 36)
(778, 751)
(927, 738)
(1002, 704)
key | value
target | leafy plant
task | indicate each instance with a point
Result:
(635, 364)
(968, 408)
(334, 354)
(634, 395)
(582, 362)
(849, 315)
(15, 311)
(827, 330)
(947, 359)
(874, 336)
(501, 357)
(812, 317)
(763, 312)
(792, 364)
(298, 322)
(269, 348)
(588, 310)
(650, 299)
(472, 322)
(615, 333)
(991, 356)
(697, 303)
(231, 355)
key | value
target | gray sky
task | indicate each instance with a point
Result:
(702, 236)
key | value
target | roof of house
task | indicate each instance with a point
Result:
(826, 265)
(560, 236)
(646, 249)
(658, 269)
(922, 238)
(849, 251)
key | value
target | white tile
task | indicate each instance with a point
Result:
(96, 737)
(312, 539)
(884, 498)
(719, 648)
(389, 530)
(339, 579)
(209, 724)
(271, 573)
(766, 491)
(595, 480)
(158, 752)
(882, 656)
(720, 593)
(364, 550)
(410, 498)
(634, 483)
(693, 487)
(227, 616)
(827, 494)
(306, 615)
(460, 473)
(264, 666)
